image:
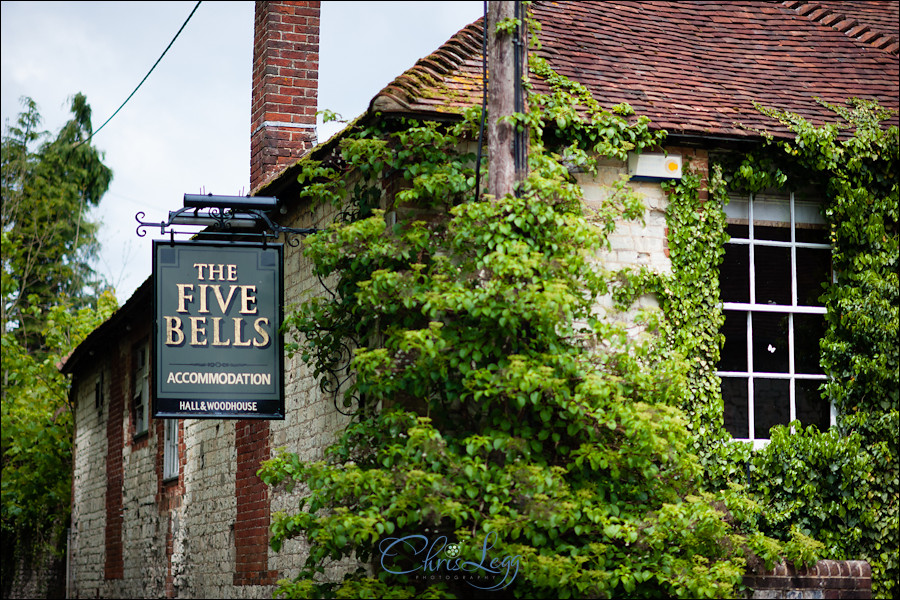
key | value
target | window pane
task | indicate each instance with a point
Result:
(734, 392)
(170, 449)
(777, 234)
(737, 231)
(772, 217)
(812, 408)
(813, 269)
(738, 208)
(808, 330)
(734, 274)
(770, 343)
(773, 275)
(808, 214)
(817, 235)
(771, 405)
(734, 352)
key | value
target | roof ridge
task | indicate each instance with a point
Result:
(846, 24)
(450, 57)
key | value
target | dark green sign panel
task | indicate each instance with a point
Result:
(218, 350)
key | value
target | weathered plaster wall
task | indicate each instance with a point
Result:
(632, 243)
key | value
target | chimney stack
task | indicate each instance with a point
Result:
(285, 86)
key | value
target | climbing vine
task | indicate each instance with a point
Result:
(841, 485)
(505, 437)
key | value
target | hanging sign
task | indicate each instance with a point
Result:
(218, 350)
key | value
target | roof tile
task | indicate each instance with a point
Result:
(693, 68)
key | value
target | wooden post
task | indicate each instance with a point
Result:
(503, 80)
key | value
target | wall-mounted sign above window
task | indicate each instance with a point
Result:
(218, 350)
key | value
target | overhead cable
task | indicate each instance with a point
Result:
(183, 25)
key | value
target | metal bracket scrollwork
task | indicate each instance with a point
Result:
(225, 216)
(337, 375)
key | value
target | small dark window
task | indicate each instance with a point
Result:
(140, 382)
(98, 393)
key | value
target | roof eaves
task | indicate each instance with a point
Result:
(108, 329)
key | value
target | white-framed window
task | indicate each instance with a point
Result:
(170, 449)
(771, 280)
(140, 382)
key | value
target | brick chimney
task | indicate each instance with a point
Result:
(285, 86)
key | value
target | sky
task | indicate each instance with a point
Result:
(187, 129)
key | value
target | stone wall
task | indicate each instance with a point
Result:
(88, 529)
(40, 576)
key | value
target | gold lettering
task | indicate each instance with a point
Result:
(247, 300)
(232, 272)
(199, 267)
(217, 333)
(203, 297)
(215, 271)
(258, 326)
(183, 297)
(197, 329)
(238, 324)
(224, 303)
(174, 334)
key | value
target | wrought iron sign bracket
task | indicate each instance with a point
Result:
(245, 216)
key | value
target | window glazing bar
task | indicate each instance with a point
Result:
(774, 244)
(764, 375)
(774, 308)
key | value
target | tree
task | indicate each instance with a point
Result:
(48, 187)
(500, 421)
(37, 424)
(48, 307)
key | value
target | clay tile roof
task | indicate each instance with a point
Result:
(695, 68)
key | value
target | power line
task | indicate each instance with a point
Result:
(183, 25)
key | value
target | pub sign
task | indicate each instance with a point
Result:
(218, 348)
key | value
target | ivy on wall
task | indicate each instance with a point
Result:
(841, 485)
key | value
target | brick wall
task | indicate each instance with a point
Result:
(285, 86)
(251, 525)
(116, 521)
(311, 421)
(825, 579)
(203, 552)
